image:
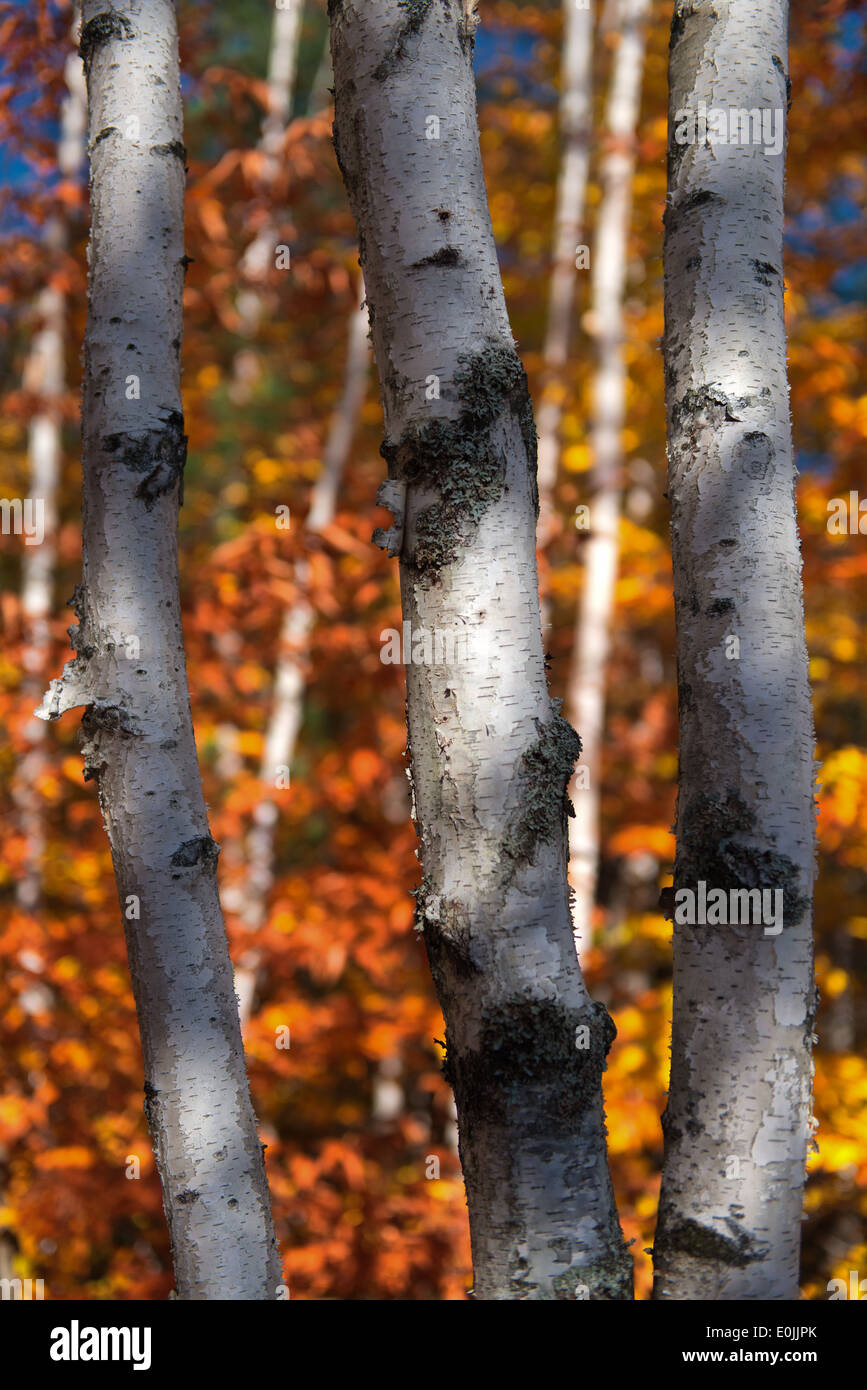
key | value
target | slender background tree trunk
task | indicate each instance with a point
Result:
(282, 61)
(248, 864)
(45, 376)
(491, 755)
(738, 1112)
(576, 116)
(595, 617)
(287, 710)
(129, 671)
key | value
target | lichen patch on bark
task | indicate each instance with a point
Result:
(416, 13)
(98, 31)
(160, 454)
(543, 772)
(604, 1280)
(530, 1055)
(688, 1237)
(714, 845)
(192, 853)
(458, 458)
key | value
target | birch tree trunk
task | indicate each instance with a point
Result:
(576, 114)
(491, 755)
(45, 376)
(738, 1112)
(282, 58)
(592, 644)
(129, 669)
(287, 710)
(249, 895)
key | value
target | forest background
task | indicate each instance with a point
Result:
(358, 1120)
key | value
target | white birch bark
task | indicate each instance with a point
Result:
(388, 1098)
(287, 710)
(738, 1113)
(592, 644)
(282, 58)
(491, 755)
(576, 115)
(129, 670)
(248, 896)
(44, 375)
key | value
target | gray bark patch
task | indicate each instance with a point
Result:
(202, 850)
(111, 718)
(606, 1280)
(151, 1107)
(445, 925)
(159, 454)
(176, 149)
(781, 69)
(98, 31)
(528, 1058)
(416, 13)
(766, 273)
(707, 404)
(755, 455)
(79, 638)
(688, 1237)
(713, 845)
(457, 458)
(683, 10)
(447, 255)
(101, 724)
(543, 776)
(701, 198)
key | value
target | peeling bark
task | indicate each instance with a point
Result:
(738, 1115)
(137, 729)
(490, 754)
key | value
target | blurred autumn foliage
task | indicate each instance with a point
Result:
(354, 1111)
